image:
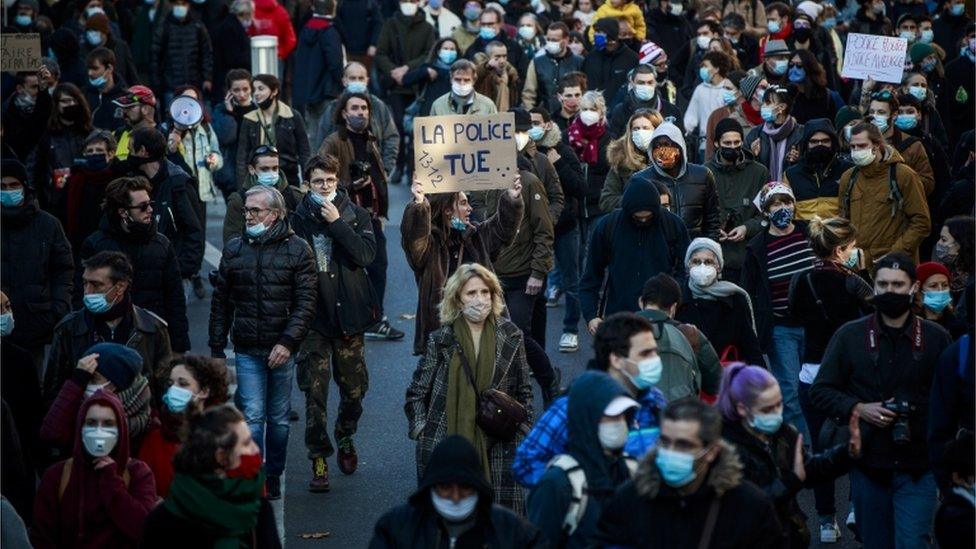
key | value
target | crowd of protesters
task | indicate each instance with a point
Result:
(775, 262)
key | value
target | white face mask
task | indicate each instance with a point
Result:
(527, 32)
(408, 8)
(99, 441)
(521, 140)
(92, 387)
(552, 48)
(703, 275)
(454, 512)
(589, 117)
(703, 41)
(613, 436)
(641, 138)
(462, 90)
(862, 157)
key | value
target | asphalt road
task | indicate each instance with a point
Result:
(386, 474)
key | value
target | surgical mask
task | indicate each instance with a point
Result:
(461, 90)
(576, 48)
(92, 11)
(862, 157)
(677, 9)
(773, 27)
(589, 118)
(527, 32)
(927, 36)
(6, 324)
(702, 42)
(704, 74)
(93, 37)
(447, 56)
(644, 92)
(957, 9)
(257, 230)
(928, 65)
(476, 310)
(649, 373)
(535, 133)
(317, 198)
(97, 303)
(521, 140)
(177, 398)
(918, 92)
(782, 218)
(854, 259)
(93, 388)
(641, 138)
(454, 512)
(23, 20)
(599, 42)
(553, 48)
(780, 66)
(472, 13)
(797, 75)
(677, 468)
(767, 113)
(435, 4)
(728, 97)
(487, 33)
(703, 275)
(98, 82)
(891, 304)
(180, 11)
(25, 101)
(12, 199)
(881, 121)
(268, 179)
(767, 424)
(907, 35)
(936, 301)
(878, 8)
(830, 22)
(613, 435)
(99, 441)
(408, 8)
(356, 87)
(458, 225)
(906, 121)
(357, 123)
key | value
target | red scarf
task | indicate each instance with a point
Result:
(585, 140)
(752, 115)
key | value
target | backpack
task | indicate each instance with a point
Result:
(577, 480)
(894, 193)
(680, 357)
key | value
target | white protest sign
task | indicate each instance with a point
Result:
(465, 152)
(879, 57)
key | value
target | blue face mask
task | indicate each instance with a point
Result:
(23, 20)
(12, 199)
(773, 27)
(356, 87)
(644, 92)
(177, 399)
(6, 324)
(728, 97)
(918, 92)
(447, 56)
(936, 301)
(928, 65)
(926, 36)
(648, 373)
(98, 82)
(906, 121)
(797, 75)
(767, 113)
(853, 260)
(881, 122)
(471, 13)
(780, 66)
(599, 42)
(487, 33)
(957, 9)
(256, 230)
(830, 22)
(767, 424)
(458, 225)
(435, 4)
(97, 303)
(704, 74)
(180, 12)
(536, 133)
(677, 468)
(782, 218)
(268, 179)
(315, 197)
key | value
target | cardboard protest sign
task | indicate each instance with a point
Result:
(465, 152)
(20, 52)
(880, 57)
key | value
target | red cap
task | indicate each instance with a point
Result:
(136, 95)
(925, 270)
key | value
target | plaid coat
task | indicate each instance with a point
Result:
(426, 405)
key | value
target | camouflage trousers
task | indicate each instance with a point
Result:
(348, 364)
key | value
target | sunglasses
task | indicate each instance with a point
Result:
(884, 95)
(144, 206)
(263, 150)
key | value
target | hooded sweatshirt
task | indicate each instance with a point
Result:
(550, 499)
(98, 508)
(816, 185)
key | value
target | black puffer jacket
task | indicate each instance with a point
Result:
(181, 54)
(36, 270)
(156, 282)
(175, 217)
(266, 287)
(347, 304)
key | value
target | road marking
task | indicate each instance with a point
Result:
(212, 255)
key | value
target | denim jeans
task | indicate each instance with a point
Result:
(899, 514)
(264, 396)
(785, 360)
(567, 250)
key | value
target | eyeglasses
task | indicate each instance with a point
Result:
(144, 206)
(255, 212)
(322, 182)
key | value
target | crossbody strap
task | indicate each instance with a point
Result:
(816, 297)
(706, 538)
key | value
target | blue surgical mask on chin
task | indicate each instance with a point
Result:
(451, 511)
(98, 82)
(677, 468)
(356, 87)
(458, 225)
(767, 424)
(177, 399)
(6, 324)
(256, 230)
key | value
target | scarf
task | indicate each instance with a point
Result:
(226, 508)
(719, 289)
(777, 156)
(585, 140)
(751, 114)
(462, 399)
(136, 402)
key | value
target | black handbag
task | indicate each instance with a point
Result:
(499, 415)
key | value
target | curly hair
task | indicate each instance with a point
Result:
(209, 374)
(205, 434)
(450, 306)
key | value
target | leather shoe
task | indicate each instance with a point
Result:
(320, 476)
(347, 457)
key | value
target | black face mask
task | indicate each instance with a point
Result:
(95, 162)
(266, 104)
(640, 223)
(892, 305)
(729, 154)
(819, 154)
(802, 35)
(71, 113)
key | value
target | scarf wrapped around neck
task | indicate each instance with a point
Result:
(226, 508)
(462, 398)
(720, 289)
(777, 156)
(585, 140)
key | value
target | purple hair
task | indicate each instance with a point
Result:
(742, 384)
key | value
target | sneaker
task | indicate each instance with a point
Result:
(383, 330)
(554, 389)
(568, 343)
(273, 487)
(829, 530)
(553, 296)
(851, 523)
(347, 457)
(293, 415)
(320, 476)
(198, 289)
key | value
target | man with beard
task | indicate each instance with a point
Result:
(138, 105)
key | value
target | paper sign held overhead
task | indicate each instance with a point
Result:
(465, 152)
(879, 57)
(20, 52)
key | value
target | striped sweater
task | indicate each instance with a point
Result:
(786, 256)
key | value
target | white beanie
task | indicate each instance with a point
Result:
(812, 9)
(702, 243)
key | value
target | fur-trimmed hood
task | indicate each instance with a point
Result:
(724, 475)
(551, 138)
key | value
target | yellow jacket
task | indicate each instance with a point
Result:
(628, 12)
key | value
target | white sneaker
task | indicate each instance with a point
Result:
(829, 530)
(851, 522)
(568, 343)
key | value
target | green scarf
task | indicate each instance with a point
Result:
(225, 507)
(462, 400)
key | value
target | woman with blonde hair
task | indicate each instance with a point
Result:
(476, 353)
(627, 155)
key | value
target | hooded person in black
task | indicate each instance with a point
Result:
(656, 237)
(453, 477)
(816, 175)
(592, 437)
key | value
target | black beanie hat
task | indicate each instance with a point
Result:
(728, 125)
(10, 167)
(118, 363)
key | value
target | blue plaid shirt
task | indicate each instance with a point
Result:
(548, 437)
